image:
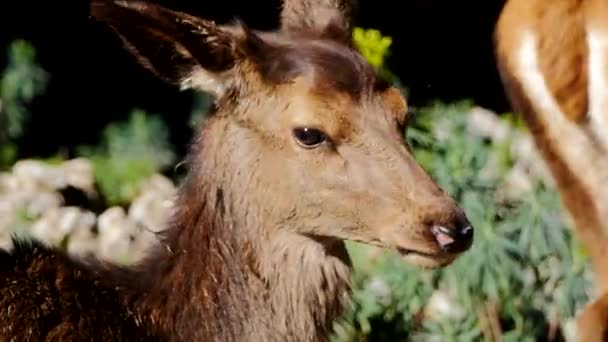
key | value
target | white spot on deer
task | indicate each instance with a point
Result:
(591, 168)
(533, 80)
(598, 83)
(214, 83)
(548, 111)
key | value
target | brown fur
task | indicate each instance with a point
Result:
(592, 321)
(564, 59)
(326, 18)
(334, 66)
(255, 248)
(575, 157)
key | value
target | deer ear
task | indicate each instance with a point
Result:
(326, 18)
(181, 49)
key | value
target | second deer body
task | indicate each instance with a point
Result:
(553, 59)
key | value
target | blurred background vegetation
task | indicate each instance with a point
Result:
(523, 280)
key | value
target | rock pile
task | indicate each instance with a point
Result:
(35, 202)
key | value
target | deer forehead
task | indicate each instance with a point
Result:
(334, 112)
(301, 104)
(302, 81)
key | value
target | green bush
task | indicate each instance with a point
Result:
(524, 272)
(376, 49)
(130, 152)
(22, 80)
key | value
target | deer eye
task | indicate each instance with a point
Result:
(309, 137)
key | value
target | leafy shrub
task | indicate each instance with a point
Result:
(22, 80)
(129, 153)
(376, 49)
(523, 274)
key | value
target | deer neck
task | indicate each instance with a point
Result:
(306, 283)
(223, 275)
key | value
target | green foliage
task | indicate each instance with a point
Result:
(523, 256)
(523, 272)
(375, 47)
(8, 154)
(22, 80)
(129, 153)
(388, 297)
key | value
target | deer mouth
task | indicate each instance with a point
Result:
(408, 252)
(426, 259)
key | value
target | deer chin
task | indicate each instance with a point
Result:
(426, 259)
(422, 258)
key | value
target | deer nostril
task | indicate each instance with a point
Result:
(454, 240)
(443, 235)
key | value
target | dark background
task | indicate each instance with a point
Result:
(442, 50)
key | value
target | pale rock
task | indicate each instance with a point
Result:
(5, 242)
(151, 211)
(33, 203)
(39, 203)
(161, 185)
(143, 242)
(441, 305)
(35, 174)
(18, 199)
(82, 241)
(115, 218)
(10, 183)
(78, 172)
(57, 223)
(80, 245)
(153, 207)
(115, 231)
(6, 222)
(7, 182)
(7, 208)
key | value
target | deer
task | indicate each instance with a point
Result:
(552, 60)
(303, 151)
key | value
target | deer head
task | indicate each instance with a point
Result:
(302, 127)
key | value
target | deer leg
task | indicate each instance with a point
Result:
(592, 323)
(562, 139)
(597, 40)
(579, 168)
